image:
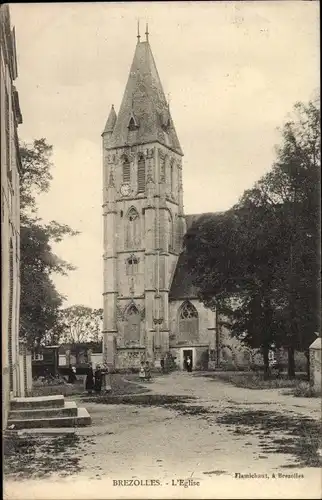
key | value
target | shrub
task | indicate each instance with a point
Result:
(305, 390)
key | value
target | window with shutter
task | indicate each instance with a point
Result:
(141, 175)
(126, 171)
(10, 338)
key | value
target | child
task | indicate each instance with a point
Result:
(147, 371)
(142, 371)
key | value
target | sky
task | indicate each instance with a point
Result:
(232, 71)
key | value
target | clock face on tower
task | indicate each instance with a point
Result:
(125, 190)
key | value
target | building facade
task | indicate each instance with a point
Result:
(151, 309)
(144, 225)
(13, 373)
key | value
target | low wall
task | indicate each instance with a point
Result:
(315, 365)
(129, 357)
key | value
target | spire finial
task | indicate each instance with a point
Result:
(147, 32)
(138, 35)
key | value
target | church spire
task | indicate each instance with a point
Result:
(111, 120)
(143, 99)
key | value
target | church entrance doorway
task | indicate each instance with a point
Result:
(187, 360)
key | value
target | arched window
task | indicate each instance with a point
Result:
(132, 325)
(132, 229)
(132, 265)
(141, 174)
(132, 125)
(188, 322)
(126, 170)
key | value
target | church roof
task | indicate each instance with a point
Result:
(144, 115)
(182, 286)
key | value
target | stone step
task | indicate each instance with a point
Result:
(69, 409)
(43, 432)
(37, 402)
(80, 420)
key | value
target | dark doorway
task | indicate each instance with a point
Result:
(187, 360)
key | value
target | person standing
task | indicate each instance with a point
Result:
(147, 371)
(189, 364)
(71, 375)
(162, 365)
(142, 371)
(89, 384)
(106, 379)
(98, 379)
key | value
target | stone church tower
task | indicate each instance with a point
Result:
(143, 214)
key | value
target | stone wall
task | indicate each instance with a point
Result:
(129, 358)
(10, 215)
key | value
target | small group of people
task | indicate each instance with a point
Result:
(94, 380)
(145, 370)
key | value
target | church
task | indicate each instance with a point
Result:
(150, 304)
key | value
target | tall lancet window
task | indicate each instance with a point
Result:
(132, 325)
(141, 174)
(188, 322)
(126, 170)
(132, 229)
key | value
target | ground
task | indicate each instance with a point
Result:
(178, 426)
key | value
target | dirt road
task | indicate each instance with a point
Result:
(188, 437)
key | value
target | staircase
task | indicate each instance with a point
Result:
(46, 412)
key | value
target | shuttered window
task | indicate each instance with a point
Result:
(10, 339)
(126, 171)
(141, 175)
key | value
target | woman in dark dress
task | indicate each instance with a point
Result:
(89, 385)
(71, 375)
(98, 379)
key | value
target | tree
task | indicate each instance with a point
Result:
(230, 257)
(259, 262)
(40, 301)
(35, 175)
(81, 324)
(291, 193)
